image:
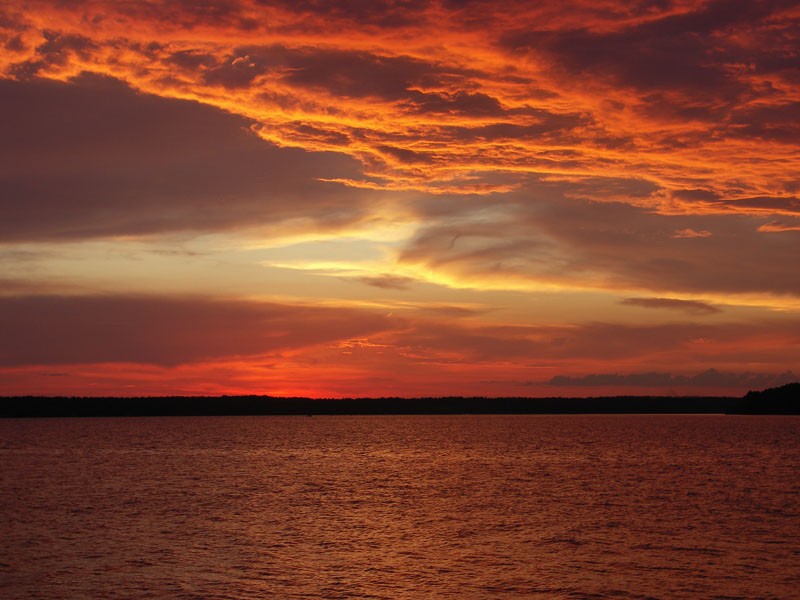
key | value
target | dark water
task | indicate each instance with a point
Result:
(401, 507)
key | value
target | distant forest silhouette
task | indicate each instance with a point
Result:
(777, 401)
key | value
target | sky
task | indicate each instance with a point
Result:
(399, 197)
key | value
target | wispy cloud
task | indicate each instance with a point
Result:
(388, 282)
(688, 306)
(774, 226)
(691, 233)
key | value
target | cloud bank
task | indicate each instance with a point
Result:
(710, 378)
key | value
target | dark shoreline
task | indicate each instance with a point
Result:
(776, 401)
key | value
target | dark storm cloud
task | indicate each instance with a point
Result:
(709, 378)
(94, 158)
(166, 331)
(688, 306)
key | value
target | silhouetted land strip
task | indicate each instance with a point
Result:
(783, 400)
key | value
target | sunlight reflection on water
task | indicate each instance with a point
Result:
(400, 507)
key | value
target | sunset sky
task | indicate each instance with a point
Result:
(380, 198)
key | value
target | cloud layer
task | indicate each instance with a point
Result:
(220, 343)
(547, 195)
(165, 331)
(693, 97)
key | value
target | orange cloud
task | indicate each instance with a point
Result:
(691, 233)
(697, 95)
(774, 226)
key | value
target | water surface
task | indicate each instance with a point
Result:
(534, 506)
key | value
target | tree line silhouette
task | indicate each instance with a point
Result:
(782, 400)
